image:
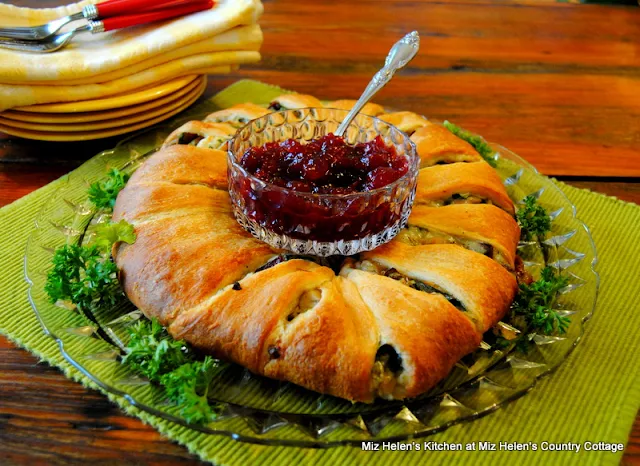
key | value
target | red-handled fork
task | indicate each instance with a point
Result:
(56, 42)
(103, 10)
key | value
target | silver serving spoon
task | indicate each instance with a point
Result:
(400, 54)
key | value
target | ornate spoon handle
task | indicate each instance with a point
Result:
(400, 54)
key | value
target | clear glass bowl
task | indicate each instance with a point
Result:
(264, 411)
(320, 224)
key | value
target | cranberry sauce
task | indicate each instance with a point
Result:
(323, 166)
(327, 165)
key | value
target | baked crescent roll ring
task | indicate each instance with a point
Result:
(201, 134)
(391, 324)
(330, 347)
(174, 266)
(479, 227)
(184, 165)
(293, 101)
(188, 243)
(147, 203)
(426, 333)
(462, 183)
(471, 281)
(291, 322)
(238, 115)
(407, 122)
(436, 144)
(368, 109)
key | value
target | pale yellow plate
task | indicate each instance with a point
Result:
(115, 101)
(85, 117)
(99, 134)
(111, 123)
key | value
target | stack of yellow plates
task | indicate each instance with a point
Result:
(101, 118)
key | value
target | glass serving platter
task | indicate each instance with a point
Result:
(260, 410)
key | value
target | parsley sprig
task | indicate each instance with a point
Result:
(534, 301)
(533, 219)
(103, 193)
(532, 311)
(85, 275)
(152, 352)
(108, 234)
(187, 386)
(477, 142)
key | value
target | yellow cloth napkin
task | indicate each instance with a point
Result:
(95, 66)
(241, 38)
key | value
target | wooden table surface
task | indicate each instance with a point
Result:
(557, 83)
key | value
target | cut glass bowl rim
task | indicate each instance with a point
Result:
(314, 442)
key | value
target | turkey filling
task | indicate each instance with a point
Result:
(308, 300)
(446, 159)
(386, 370)
(189, 139)
(369, 266)
(237, 122)
(457, 198)
(287, 257)
(417, 236)
(208, 142)
(463, 198)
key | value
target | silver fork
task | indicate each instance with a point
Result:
(49, 29)
(57, 41)
(107, 9)
(51, 44)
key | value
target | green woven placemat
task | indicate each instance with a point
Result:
(592, 397)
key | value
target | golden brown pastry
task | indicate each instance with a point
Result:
(351, 324)
(181, 230)
(480, 227)
(391, 324)
(290, 322)
(201, 134)
(368, 109)
(422, 334)
(407, 122)
(330, 348)
(148, 203)
(238, 115)
(477, 284)
(436, 144)
(196, 270)
(462, 183)
(184, 165)
(292, 101)
(177, 262)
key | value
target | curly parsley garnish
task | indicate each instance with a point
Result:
(534, 301)
(170, 363)
(187, 387)
(532, 312)
(477, 142)
(103, 193)
(152, 352)
(108, 234)
(85, 275)
(533, 219)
